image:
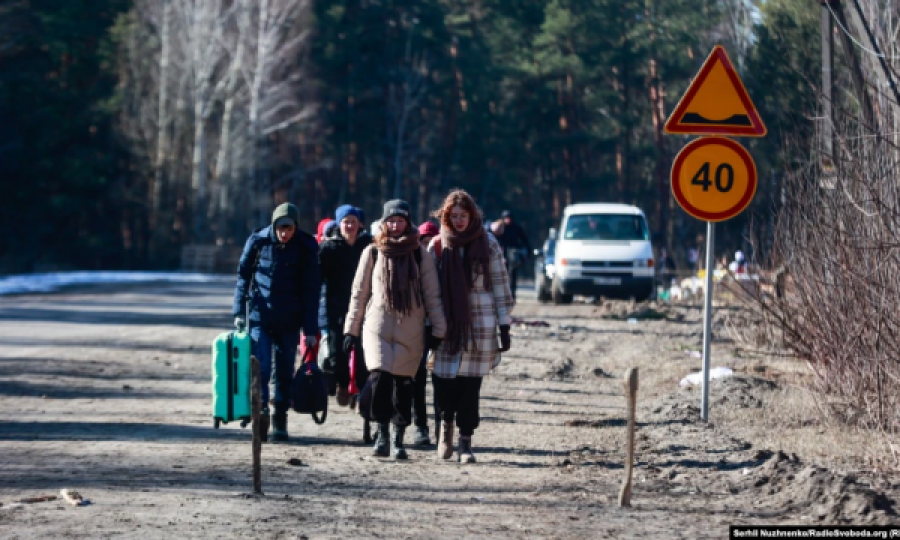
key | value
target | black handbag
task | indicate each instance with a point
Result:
(309, 390)
(365, 401)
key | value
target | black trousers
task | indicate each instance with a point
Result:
(457, 399)
(391, 398)
(419, 410)
(513, 279)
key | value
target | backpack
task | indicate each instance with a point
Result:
(309, 390)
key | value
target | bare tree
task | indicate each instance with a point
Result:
(838, 241)
(204, 86)
(163, 114)
(203, 22)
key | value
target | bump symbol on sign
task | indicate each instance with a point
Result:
(713, 178)
(716, 103)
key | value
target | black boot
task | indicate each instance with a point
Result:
(397, 443)
(279, 427)
(421, 439)
(381, 441)
(264, 421)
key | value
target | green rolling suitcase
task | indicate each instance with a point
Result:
(231, 378)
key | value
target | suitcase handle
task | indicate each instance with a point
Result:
(235, 379)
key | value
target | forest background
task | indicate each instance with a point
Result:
(130, 128)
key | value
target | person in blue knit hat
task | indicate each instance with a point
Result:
(338, 258)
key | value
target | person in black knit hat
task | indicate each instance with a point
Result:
(396, 284)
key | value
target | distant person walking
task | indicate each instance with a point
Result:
(395, 285)
(338, 258)
(477, 304)
(516, 248)
(278, 279)
(427, 231)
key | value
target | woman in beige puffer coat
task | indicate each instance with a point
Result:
(393, 290)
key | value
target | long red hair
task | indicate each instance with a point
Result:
(461, 198)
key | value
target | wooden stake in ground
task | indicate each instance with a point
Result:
(631, 386)
(255, 406)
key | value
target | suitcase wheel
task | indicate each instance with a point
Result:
(245, 421)
(216, 423)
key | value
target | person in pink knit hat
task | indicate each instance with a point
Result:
(427, 231)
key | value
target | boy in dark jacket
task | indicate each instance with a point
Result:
(516, 248)
(278, 275)
(338, 258)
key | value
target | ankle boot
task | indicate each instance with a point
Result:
(397, 449)
(445, 445)
(263, 427)
(381, 441)
(279, 427)
(421, 439)
(465, 449)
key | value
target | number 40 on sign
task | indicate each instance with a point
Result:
(714, 178)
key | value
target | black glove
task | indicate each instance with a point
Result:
(432, 342)
(350, 342)
(505, 342)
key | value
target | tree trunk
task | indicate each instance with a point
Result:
(657, 109)
(162, 120)
(198, 173)
(224, 161)
(262, 53)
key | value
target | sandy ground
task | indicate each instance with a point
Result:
(105, 390)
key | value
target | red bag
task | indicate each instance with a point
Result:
(352, 387)
(315, 350)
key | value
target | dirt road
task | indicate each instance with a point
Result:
(106, 391)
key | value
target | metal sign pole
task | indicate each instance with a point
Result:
(707, 316)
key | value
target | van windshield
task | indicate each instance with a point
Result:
(616, 227)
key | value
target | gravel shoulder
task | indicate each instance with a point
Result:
(106, 391)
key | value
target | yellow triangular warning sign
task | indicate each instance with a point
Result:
(716, 103)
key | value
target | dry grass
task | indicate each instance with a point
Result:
(797, 419)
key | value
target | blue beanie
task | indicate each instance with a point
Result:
(346, 210)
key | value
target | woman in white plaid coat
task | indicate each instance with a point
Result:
(477, 304)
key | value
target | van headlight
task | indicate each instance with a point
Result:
(643, 263)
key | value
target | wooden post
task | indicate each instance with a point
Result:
(631, 386)
(255, 407)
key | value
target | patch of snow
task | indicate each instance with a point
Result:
(52, 281)
(715, 373)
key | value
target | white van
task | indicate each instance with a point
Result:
(603, 250)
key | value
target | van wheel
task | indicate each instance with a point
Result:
(557, 295)
(541, 292)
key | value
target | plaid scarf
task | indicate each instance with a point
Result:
(458, 277)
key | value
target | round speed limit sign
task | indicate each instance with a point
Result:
(713, 178)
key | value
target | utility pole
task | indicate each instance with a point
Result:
(836, 10)
(827, 111)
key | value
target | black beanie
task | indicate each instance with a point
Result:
(397, 207)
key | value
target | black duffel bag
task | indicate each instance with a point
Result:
(309, 390)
